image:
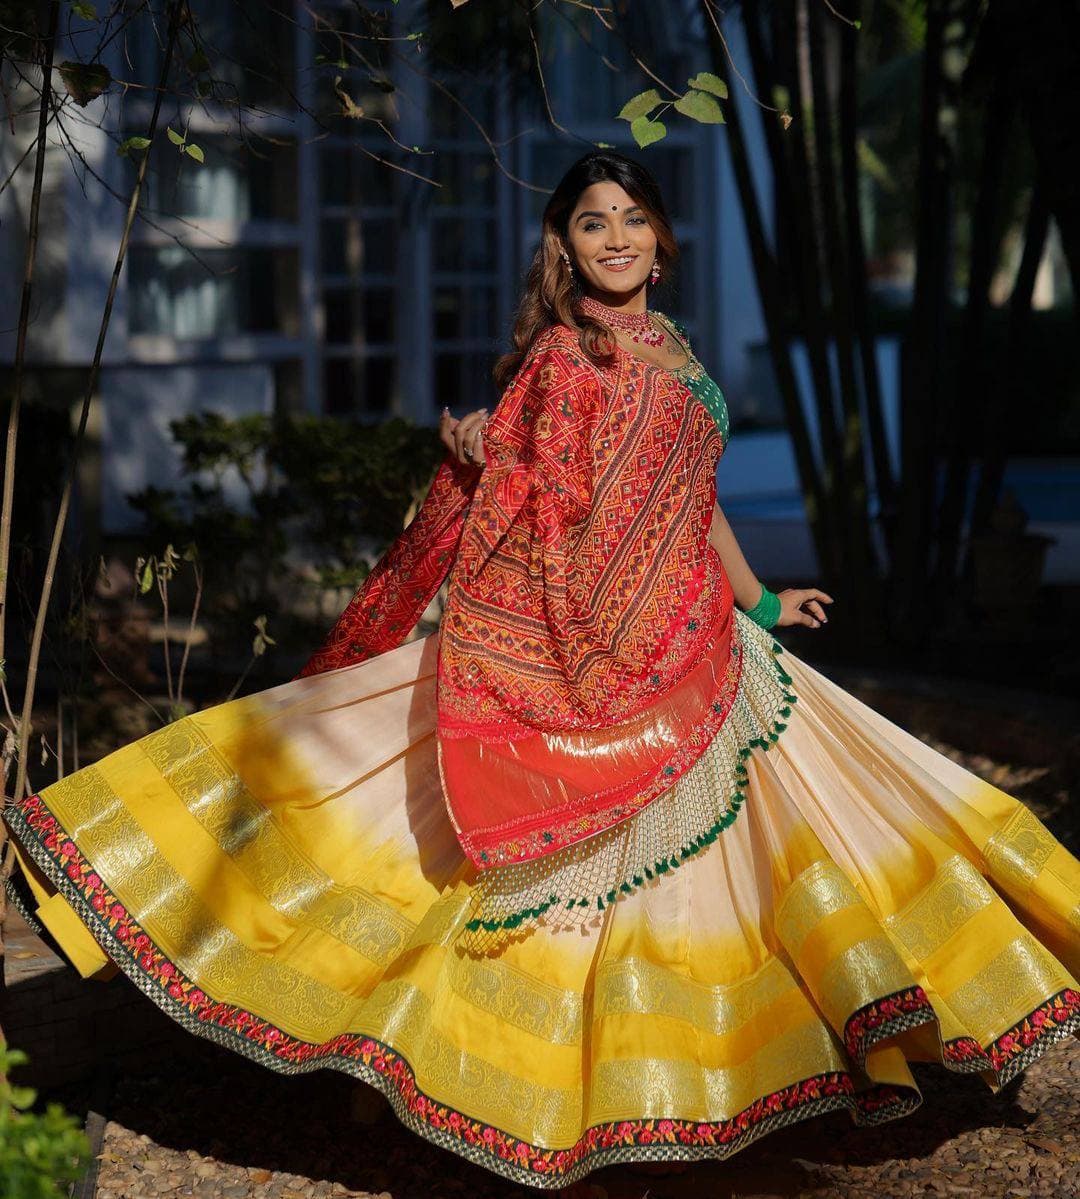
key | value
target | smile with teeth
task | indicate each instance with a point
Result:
(618, 264)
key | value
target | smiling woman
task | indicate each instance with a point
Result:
(597, 873)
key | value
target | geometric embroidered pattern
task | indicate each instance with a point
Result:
(584, 597)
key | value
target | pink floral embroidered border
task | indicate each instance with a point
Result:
(40, 834)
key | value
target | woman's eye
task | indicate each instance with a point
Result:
(592, 226)
(638, 220)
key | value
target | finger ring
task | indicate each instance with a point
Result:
(468, 452)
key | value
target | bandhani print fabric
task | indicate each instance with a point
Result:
(808, 903)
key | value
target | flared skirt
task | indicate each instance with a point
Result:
(279, 874)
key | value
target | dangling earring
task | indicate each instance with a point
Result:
(654, 274)
(566, 259)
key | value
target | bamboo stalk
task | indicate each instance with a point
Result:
(24, 319)
(1000, 400)
(770, 293)
(175, 7)
(972, 383)
(8, 503)
(852, 497)
(884, 480)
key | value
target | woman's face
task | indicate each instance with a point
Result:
(612, 244)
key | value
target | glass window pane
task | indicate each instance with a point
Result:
(250, 46)
(466, 178)
(349, 177)
(359, 384)
(463, 382)
(341, 386)
(377, 315)
(463, 244)
(351, 246)
(359, 315)
(244, 291)
(464, 312)
(448, 120)
(234, 183)
(380, 382)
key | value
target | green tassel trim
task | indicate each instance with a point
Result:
(684, 852)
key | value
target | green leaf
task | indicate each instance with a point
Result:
(604, 145)
(194, 152)
(147, 579)
(177, 139)
(639, 105)
(3, 670)
(22, 1097)
(85, 81)
(705, 81)
(132, 143)
(413, 37)
(87, 11)
(646, 132)
(701, 107)
(262, 637)
(858, 24)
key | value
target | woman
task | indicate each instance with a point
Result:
(594, 874)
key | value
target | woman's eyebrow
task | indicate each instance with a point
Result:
(582, 215)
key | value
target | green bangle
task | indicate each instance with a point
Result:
(766, 612)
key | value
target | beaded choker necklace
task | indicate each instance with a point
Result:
(637, 324)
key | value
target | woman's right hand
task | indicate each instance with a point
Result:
(463, 437)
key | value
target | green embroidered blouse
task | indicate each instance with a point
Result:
(697, 379)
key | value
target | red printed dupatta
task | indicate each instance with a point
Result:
(586, 652)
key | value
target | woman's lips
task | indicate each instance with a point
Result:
(619, 266)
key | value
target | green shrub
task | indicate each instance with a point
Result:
(332, 493)
(38, 1151)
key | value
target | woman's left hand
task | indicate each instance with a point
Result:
(464, 437)
(802, 605)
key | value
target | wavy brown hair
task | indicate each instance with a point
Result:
(552, 291)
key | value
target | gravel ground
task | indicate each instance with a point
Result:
(211, 1125)
(214, 1126)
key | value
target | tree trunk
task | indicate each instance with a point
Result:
(771, 296)
(972, 382)
(1044, 75)
(884, 481)
(923, 354)
(852, 497)
(1003, 401)
(44, 107)
(176, 8)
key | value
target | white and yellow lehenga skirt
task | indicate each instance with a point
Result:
(279, 875)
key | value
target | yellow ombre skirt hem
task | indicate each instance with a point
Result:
(279, 874)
